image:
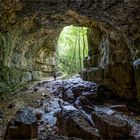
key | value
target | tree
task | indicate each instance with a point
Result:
(72, 48)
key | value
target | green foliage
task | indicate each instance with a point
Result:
(72, 49)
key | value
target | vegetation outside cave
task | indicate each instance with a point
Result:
(72, 49)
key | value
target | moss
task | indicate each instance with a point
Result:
(26, 76)
(36, 75)
(14, 75)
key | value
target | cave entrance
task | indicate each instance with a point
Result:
(72, 49)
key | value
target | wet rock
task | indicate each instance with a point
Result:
(90, 95)
(70, 89)
(11, 105)
(110, 124)
(73, 123)
(69, 96)
(120, 108)
(47, 109)
(136, 132)
(55, 137)
(88, 109)
(82, 101)
(23, 125)
(78, 104)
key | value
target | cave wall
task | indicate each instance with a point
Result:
(27, 50)
(30, 29)
(110, 62)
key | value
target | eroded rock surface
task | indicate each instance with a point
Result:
(75, 123)
(58, 118)
(23, 125)
(30, 29)
(111, 126)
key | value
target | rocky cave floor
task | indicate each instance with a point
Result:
(68, 109)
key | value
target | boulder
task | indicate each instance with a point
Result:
(88, 109)
(84, 101)
(70, 89)
(110, 77)
(111, 125)
(81, 102)
(23, 125)
(120, 108)
(91, 95)
(93, 74)
(113, 79)
(73, 123)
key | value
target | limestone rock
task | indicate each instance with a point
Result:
(111, 125)
(75, 124)
(23, 125)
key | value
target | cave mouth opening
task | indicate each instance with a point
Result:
(72, 49)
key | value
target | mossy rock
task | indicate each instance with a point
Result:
(26, 76)
(15, 75)
(36, 75)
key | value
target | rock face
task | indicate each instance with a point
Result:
(75, 124)
(30, 29)
(111, 126)
(23, 125)
(111, 64)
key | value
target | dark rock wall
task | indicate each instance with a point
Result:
(27, 50)
(110, 62)
(30, 29)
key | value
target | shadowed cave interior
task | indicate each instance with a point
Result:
(70, 69)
